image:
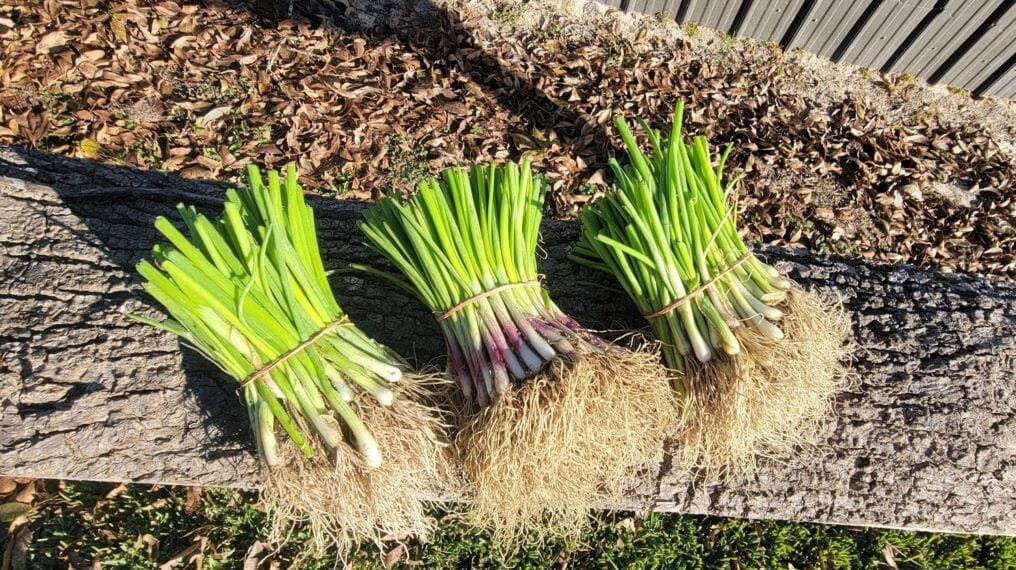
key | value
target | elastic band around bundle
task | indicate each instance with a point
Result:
(698, 290)
(264, 370)
(483, 295)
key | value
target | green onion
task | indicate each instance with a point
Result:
(668, 233)
(668, 230)
(457, 240)
(558, 420)
(249, 287)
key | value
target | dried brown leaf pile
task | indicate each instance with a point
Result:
(202, 90)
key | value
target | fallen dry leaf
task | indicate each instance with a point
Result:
(194, 496)
(192, 556)
(51, 42)
(393, 556)
(7, 486)
(254, 554)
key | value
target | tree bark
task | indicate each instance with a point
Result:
(926, 439)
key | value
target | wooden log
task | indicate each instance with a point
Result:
(925, 440)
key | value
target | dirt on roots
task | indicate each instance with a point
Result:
(344, 502)
(577, 436)
(772, 397)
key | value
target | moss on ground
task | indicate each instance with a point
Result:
(137, 526)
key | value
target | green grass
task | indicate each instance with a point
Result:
(407, 163)
(507, 15)
(143, 527)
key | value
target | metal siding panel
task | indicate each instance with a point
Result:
(885, 32)
(635, 6)
(659, 7)
(653, 6)
(713, 11)
(670, 8)
(993, 61)
(985, 56)
(753, 18)
(769, 19)
(715, 14)
(696, 11)
(830, 21)
(827, 25)
(809, 25)
(662, 7)
(946, 33)
(1005, 86)
(725, 18)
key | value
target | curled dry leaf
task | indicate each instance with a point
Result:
(7, 486)
(194, 496)
(51, 42)
(393, 556)
(213, 115)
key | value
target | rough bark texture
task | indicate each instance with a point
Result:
(926, 439)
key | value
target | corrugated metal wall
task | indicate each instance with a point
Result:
(966, 43)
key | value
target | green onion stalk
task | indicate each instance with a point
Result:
(668, 233)
(248, 287)
(466, 247)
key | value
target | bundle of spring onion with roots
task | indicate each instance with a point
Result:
(554, 420)
(755, 357)
(345, 442)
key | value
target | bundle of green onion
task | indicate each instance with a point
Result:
(668, 233)
(566, 421)
(467, 248)
(249, 291)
